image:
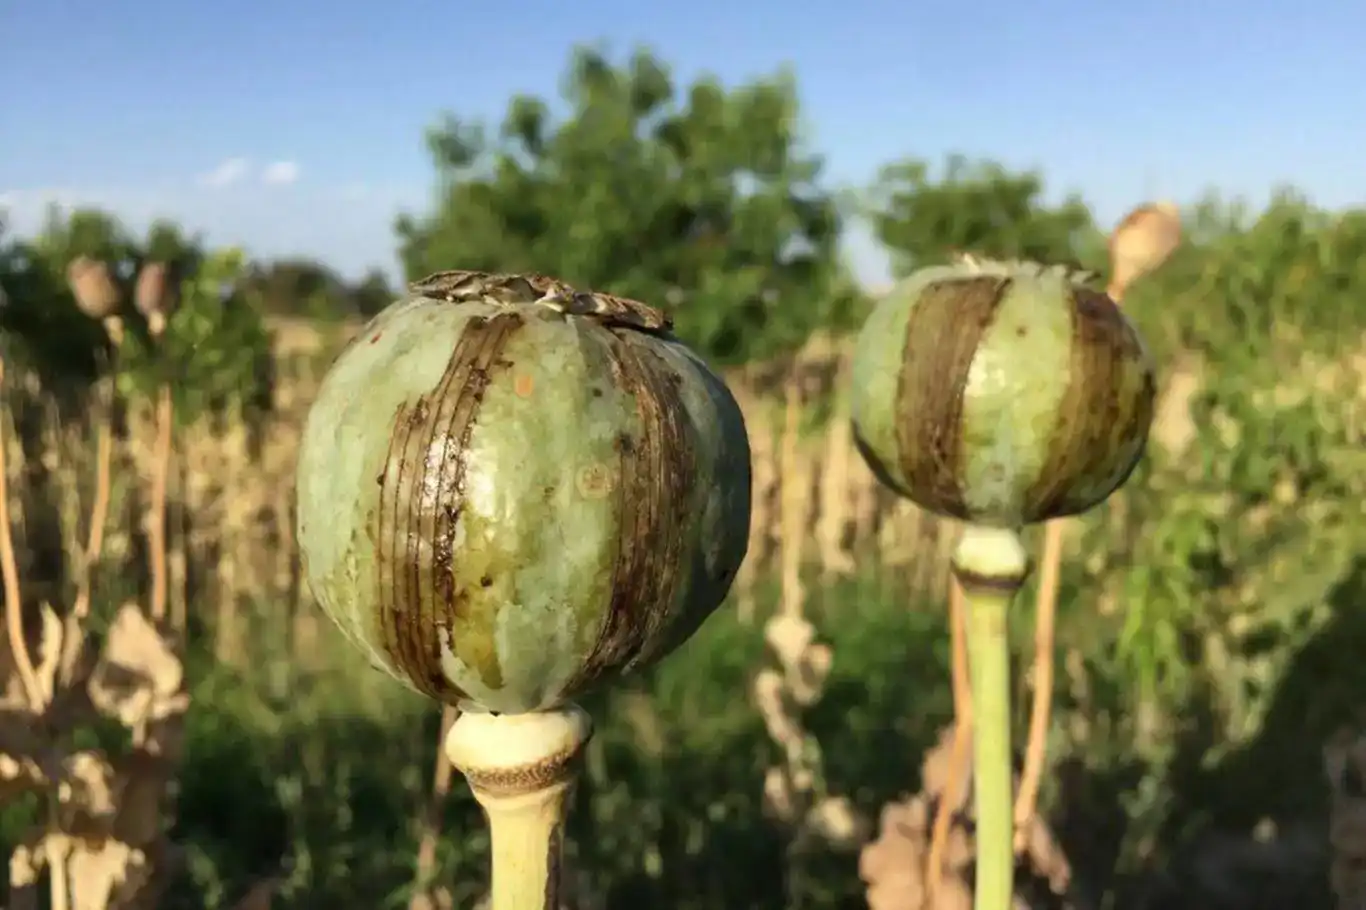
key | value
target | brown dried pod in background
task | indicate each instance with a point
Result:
(93, 286)
(1141, 242)
(157, 294)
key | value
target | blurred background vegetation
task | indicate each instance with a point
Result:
(1208, 629)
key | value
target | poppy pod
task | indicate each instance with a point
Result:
(510, 490)
(157, 292)
(1142, 241)
(93, 287)
(1001, 393)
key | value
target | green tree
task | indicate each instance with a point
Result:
(40, 327)
(371, 294)
(980, 208)
(703, 201)
(214, 345)
(215, 349)
(294, 287)
(304, 287)
(166, 242)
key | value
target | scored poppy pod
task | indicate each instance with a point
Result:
(1001, 393)
(510, 490)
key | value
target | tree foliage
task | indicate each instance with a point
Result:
(308, 288)
(702, 200)
(211, 352)
(976, 207)
(40, 326)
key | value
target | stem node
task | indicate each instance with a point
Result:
(522, 769)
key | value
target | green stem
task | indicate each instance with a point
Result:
(990, 662)
(991, 565)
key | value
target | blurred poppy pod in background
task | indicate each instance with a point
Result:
(156, 294)
(93, 286)
(1141, 242)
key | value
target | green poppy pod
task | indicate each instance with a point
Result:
(1001, 393)
(510, 490)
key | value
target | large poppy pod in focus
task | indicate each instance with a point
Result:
(1001, 393)
(510, 490)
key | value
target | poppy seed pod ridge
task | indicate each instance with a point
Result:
(1000, 394)
(511, 491)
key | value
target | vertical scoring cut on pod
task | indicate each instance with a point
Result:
(420, 502)
(510, 489)
(1105, 416)
(1003, 393)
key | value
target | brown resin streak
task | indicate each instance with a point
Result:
(554, 868)
(1094, 414)
(654, 508)
(942, 336)
(421, 494)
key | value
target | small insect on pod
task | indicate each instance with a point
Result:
(510, 491)
(1000, 394)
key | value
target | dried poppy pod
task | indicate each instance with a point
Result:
(156, 294)
(1142, 241)
(509, 490)
(1001, 393)
(93, 287)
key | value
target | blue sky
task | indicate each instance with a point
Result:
(296, 126)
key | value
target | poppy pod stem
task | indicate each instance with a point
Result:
(522, 769)
(991, 565)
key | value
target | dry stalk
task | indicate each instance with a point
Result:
(765, 484)
(156, 511)
(1040, 709)
(795, 792)
(102, 844)
(954, 790)
(836, 496)
(895, 865)
(99, 515)
(425, 895)
(1139, 244)
(14, 608)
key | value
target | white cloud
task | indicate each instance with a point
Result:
(231, 171)
(280, 173)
